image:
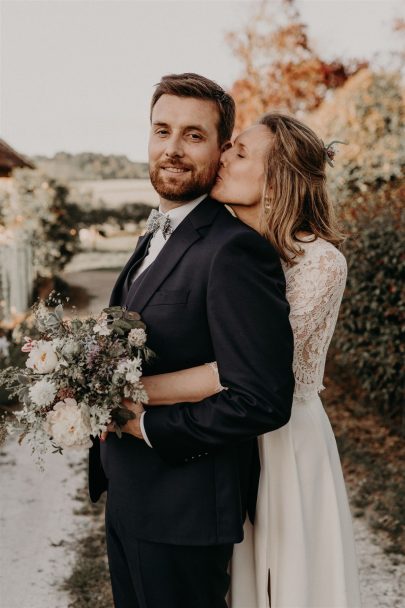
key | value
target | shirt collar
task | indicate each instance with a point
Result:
(178, 214)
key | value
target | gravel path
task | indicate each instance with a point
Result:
(37, 525)
(382, 582)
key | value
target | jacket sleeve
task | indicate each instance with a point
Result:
(253, 344)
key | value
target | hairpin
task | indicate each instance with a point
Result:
(330, 151)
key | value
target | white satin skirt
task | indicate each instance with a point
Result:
(301, 546)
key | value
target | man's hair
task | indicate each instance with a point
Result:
(199, 87)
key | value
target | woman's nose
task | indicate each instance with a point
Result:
(225, 154)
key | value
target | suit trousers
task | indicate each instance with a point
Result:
(154, 575)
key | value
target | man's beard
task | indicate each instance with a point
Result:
(194, 186)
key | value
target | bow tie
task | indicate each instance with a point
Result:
(158, 221)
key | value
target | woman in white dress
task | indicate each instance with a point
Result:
(300, 551)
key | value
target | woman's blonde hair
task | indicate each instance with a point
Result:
(295, 197)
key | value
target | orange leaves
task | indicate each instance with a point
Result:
(280, 69)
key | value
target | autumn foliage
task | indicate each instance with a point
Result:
(280, 68)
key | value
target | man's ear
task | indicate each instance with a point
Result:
(225, 146)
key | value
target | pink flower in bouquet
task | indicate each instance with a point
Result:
(29, 345)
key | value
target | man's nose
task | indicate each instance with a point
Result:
(174, 147)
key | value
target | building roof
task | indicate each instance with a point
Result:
(9, 159)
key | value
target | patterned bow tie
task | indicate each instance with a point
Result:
(158, 221)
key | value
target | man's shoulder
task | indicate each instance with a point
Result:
(227, 222)
(224, 231)
(233, 230)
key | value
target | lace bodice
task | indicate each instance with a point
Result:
(315, 287)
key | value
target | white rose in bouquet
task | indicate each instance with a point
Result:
(101, 328)
(131, 369)
(137, 337)
(42, 358)
(42, 393)
(69, 425)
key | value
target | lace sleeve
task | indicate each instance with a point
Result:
(218, 387)
(315, 288)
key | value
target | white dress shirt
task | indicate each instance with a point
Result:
(157, 242)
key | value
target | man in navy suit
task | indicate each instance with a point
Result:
(209, 288)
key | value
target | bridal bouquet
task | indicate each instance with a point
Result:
(77, 373)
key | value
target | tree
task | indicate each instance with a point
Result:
(368, 114)
(281, 70)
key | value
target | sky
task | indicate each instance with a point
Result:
(78, 75)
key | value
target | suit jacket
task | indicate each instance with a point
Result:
(216, 292)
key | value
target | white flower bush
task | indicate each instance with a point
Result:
(44, 204)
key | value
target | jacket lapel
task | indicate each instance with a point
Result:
(178, 244)
(140, 252)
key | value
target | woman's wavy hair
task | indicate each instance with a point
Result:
(295, 197)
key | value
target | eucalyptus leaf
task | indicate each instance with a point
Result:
(131, 315)
(59, 312)
(137, 325)
(52, 320)
(121, 415)
(125, 414)
(148, 353)
(118, 331)
(113, 309)
(122, 324)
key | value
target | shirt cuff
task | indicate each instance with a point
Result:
(144, 435)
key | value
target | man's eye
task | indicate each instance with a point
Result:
(240, 156)
(195, 136)
(162, 132)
